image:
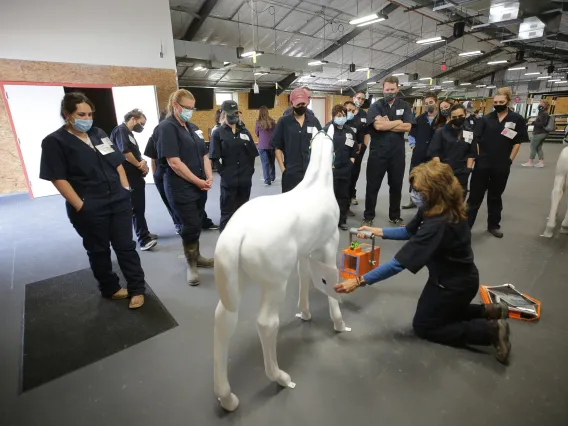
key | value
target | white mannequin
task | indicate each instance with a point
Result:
(560, 185)
(265, 240)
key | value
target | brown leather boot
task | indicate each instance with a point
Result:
(203, 262)
(191, 251)
(497, 311)
(501, 342)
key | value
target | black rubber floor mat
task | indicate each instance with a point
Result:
(68, 325)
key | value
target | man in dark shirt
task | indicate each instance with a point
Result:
(291, 139)
(388, 119)
(539, 134)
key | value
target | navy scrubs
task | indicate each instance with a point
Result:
(454, 147)
(386, 156)
(125, 142)
(234, 154)
(444, 313)
(151, 151)
(186, 200)
(105, 218)
(422, 131)
(294, 141)
(359, 126)
(493, 164)
(345, 148)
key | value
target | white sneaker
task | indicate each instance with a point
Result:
(539, 165)
(529, 164)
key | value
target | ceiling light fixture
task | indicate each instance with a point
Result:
(465, 84)
(399, 74)
(364, 19)
(318, 62)
(544, 77)
(425, 78)
(260, 73)
(364, 69)
(491, 87)
(437, 39)
(560, 82)
(371, 22)
(251, 54)
(553, 81)
(517, 69)
(341, 80)
(199, 68)
(481, 85)
(448, 81)
(532, 73)
(502, 61)
(472, 53)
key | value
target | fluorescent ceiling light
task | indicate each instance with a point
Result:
(399, 74)
(491, 87)
(371, 22)
(443, 6)
(250, 54)
(425, 78)
(502, 61)
(318, 62)
(472, 53)
(465, 84)
(532, 73)
(560, 82)
(343, 80)
(543, 77)
(199, 68)
(260, 73)
(553, 81)
(364, 19)
(517, 69)
(562, 69)
(430, 40)
(481, 85)
(447, 81)
(364, 69)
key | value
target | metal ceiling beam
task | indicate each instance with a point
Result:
(286, 82)
(409, 60)
(467, 63)
(196, 24)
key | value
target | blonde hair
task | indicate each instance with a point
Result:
(176, 97)
(443, 192)
(504, 91)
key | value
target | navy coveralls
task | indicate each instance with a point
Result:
(444, 313)
(234, 154)
(294, 142)
(454, 147)
(493, 164)
(105, 218)
(386, 155)
(125, 142)
(359, 126)
(186, 200)
(344, 148)
(422, 132)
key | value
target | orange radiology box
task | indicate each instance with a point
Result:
(358, 259)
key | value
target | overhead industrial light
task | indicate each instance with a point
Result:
(371, 22)
(472, 53)
(398, 74)
(560, 82)
(491, 87)
(250, 54)
(364, 69)
(517, 69)
(448, 82)
(199, 68)
(260, 73)
(553, 81)
(481, 85)
(425, 78)
(314, 63)
(465, 84)
(437, 39)
(342, 80)
(364, 19)
(502, 61)
(544, 77)
(443, 6)
(533, 73)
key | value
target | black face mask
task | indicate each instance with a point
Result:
(445, 112)
(458, 122)
(138, 128)
(232, 119)
(300, 110)
(500, 108)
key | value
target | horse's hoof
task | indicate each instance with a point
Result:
(229, 403)
(304, 316)
(564, 230)
(284, 380)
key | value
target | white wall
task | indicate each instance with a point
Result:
(100, 32)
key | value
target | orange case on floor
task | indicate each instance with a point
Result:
(515, 315)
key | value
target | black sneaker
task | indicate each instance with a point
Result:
(212, 227)
(410, 205)
(367, 222)
(148, 244)
(502, 344)
(397, 222)
(343, 226)
(496, 232)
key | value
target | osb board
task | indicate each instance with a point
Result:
(12, 177)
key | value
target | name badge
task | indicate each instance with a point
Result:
(467, 136)
(106, 141)
(399, 111)
(363, 120)
(310, 129)
(244, 137)
(200, 134)
(471, 122)
(132, 139)
(508, 133)
(104, 149)
(510, 125)
(349, 142)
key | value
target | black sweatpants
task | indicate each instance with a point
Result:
(341, 184)
(356, 171)
(446, 316)
(138, 199)
(188, 203)
(393, 165)
(232, 198)
(463, 179)
(106, 220)
(291, 180)
(159, 181)
(493, 181)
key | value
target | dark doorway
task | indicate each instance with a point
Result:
(105, 114)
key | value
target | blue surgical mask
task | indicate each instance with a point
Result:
(340, 121)
(186, 114)
(417, 198)
(350, 116)
(82, 125)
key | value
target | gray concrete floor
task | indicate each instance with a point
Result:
(380, 373)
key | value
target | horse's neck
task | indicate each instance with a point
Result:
(319, 173)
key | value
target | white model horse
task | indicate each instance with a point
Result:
(265, 240)
(560, 185)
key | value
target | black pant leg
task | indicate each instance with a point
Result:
(356, 171)
(440, 317)
(376, 169)
(188, 202)
(92, 223)
(477, 188)
(291, 180)
(243, 194)
(228, 203)
(138, 200)
(271, 154)
(206, 222)
(463, 179)
(497, 183)
(159, 182)
(341, 188)
(395, 170)
(125, 248)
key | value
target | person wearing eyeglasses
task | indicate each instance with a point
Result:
(188, 175)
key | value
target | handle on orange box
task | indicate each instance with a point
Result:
(366, 234)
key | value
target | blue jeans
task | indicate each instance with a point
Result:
(267, 157)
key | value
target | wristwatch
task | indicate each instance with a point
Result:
(361, 281)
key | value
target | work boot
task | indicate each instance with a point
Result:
(495, 311)
(191, 251)
(367, 222)
(203, 262)
(496, 232)
(501, 343)
(410, 205)
(354, 201)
